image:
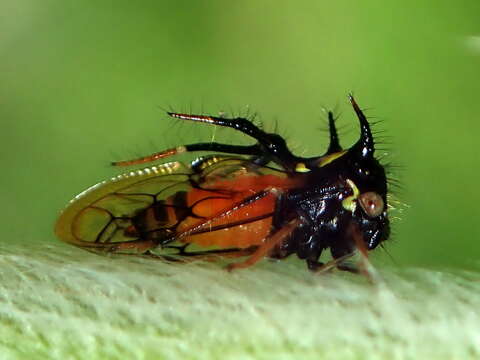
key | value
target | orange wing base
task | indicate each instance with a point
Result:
(232, 210)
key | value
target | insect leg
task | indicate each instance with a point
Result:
(346, 250)
(279, 219)
(270, 143)
(365, 267)
(270, 242)
(338, 263)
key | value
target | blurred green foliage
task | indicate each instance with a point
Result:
(84, 83)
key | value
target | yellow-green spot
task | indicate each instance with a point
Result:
(349, 203)
(300, 167)
(327, 159)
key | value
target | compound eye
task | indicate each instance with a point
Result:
(371, 203)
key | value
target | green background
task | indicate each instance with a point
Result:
(84, 83)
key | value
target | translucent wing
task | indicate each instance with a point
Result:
(219, 201)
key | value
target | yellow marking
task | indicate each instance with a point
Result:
(211, 161)
(327, 159)
(300, 167)
(349, 203)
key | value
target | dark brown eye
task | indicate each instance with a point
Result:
(371, 203)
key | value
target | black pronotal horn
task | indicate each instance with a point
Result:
(365, 146)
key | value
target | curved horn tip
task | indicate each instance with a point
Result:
(353, 102)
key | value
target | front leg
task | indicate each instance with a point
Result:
(344, 251)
